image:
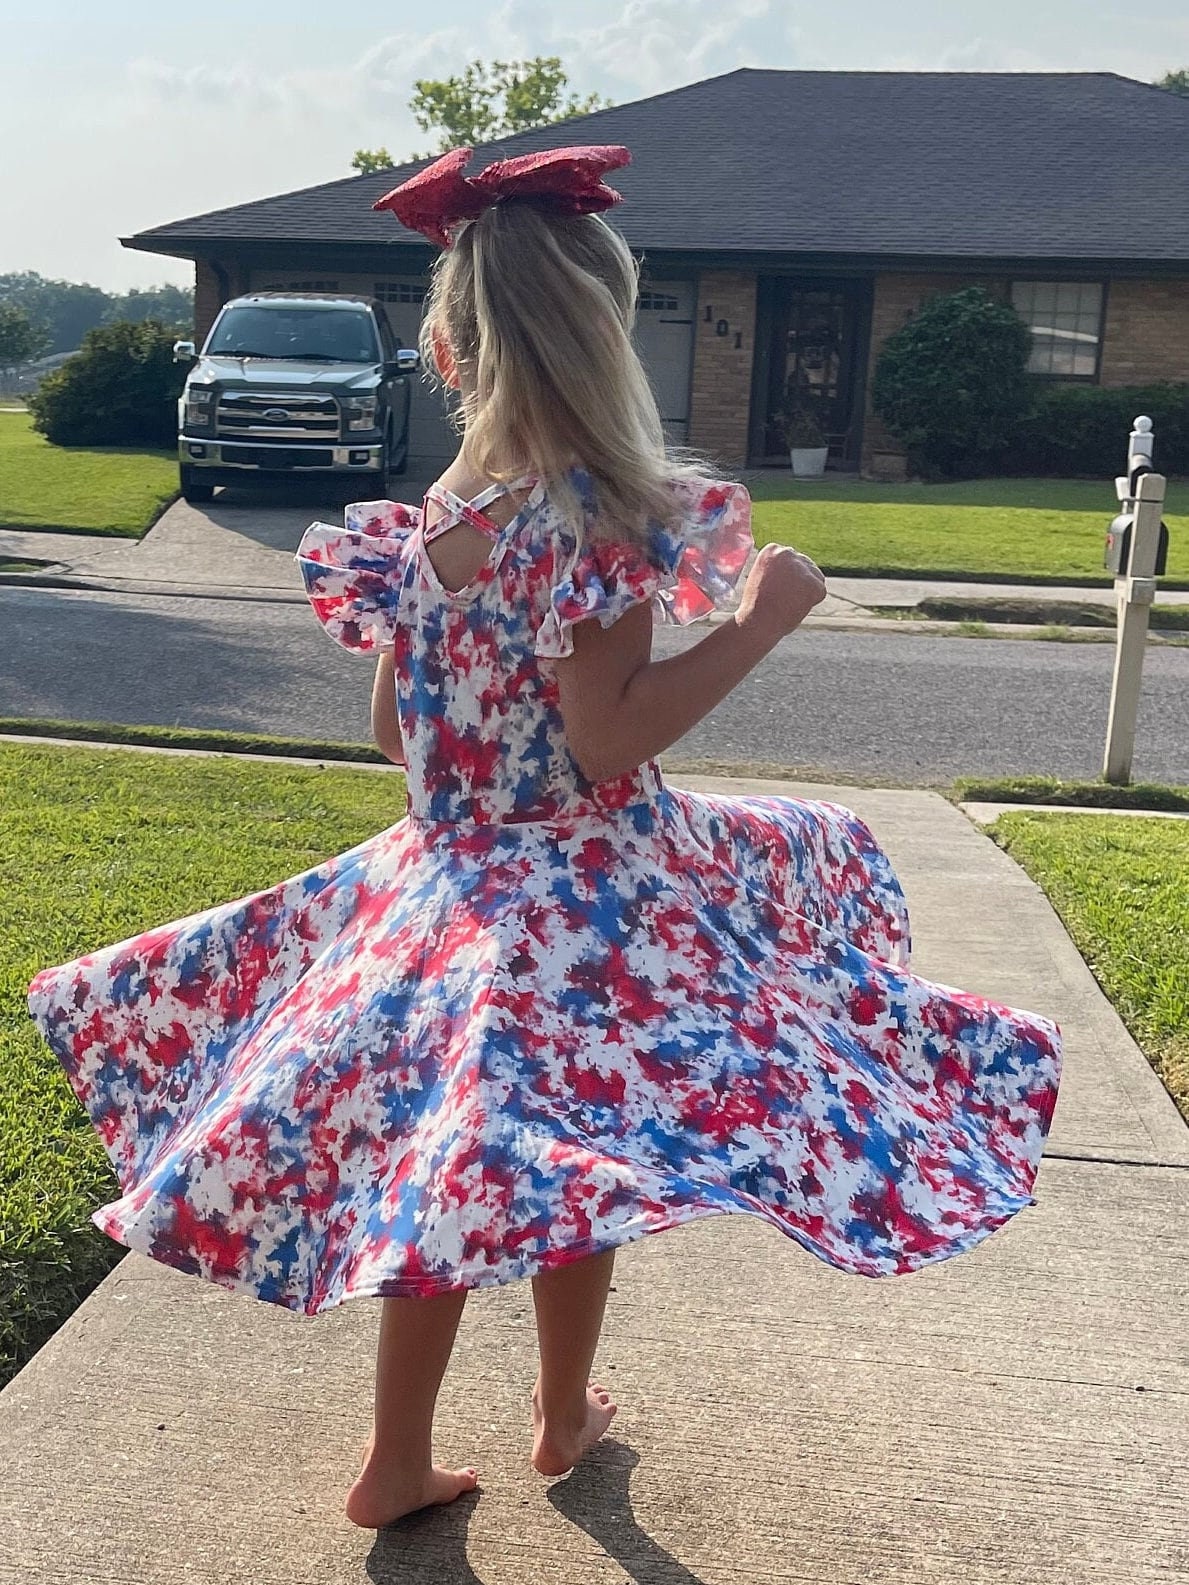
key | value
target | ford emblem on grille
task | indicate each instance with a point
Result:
(276, 415)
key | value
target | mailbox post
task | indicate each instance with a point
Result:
(1135, 552)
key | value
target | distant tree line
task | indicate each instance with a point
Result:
(60, 313)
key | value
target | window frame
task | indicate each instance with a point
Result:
(1103, 284)
(408, 292)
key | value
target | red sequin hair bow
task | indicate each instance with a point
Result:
(440, 197)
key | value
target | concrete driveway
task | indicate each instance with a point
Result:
(243, 539)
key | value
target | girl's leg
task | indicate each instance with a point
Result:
(398, 1475)
(570, 1412)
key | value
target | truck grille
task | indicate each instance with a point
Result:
(280, 457)
(285, 415)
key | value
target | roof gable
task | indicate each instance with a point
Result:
(995, 164)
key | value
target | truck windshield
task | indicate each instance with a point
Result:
(322, 335)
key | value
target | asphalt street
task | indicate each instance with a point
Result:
(875, 705)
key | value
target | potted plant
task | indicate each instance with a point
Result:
(806, 440)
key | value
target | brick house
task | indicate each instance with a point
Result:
(790, 221)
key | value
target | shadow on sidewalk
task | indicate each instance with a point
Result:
(596, 1498)
(430, 1548)
(427, 1548)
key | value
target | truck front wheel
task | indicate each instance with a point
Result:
(194, 490)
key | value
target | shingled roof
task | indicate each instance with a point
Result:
(961, 165)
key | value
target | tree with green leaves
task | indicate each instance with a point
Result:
(1176, 82)
(66, 310)
(486, 101)
(171, 305)
(368, 161)
(494, 100)
(20, 339)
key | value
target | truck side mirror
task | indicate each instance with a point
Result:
(408, 360)
(184, 352)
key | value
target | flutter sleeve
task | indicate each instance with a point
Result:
(686, 571)
(353, 574)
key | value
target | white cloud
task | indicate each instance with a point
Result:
(378, 81)
(213, 86)
(646, 46)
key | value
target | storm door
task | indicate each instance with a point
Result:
(811, 340)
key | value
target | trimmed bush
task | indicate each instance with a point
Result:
(951, 384)
(120, 389)
(1082, 429)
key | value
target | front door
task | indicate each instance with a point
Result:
(811, 337)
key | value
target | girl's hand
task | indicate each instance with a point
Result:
(782, 588)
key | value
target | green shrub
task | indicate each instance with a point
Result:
(1083, 429)
(120, 389)
(951, 384)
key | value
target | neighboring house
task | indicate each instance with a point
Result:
(790, 221)
(21, 378)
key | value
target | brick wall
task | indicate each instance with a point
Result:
(209, 296)
(896, 298)
(1145, 338)
(1146, 332)
(720, 400)
(208, 299)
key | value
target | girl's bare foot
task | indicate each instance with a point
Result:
(386, 1492)
(557, 1447)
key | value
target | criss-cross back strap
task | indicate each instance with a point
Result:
(455, 510)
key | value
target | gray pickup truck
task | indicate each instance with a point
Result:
(294, 383)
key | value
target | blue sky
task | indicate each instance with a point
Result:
(119, 116)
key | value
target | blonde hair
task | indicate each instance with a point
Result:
(537, 308)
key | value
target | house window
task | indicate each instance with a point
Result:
(658, 300)
(1065, 318)
(399, 292)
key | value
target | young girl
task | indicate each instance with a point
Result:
(560, 1004)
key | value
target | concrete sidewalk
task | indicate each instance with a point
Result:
(243, 548)
(1018, 1416)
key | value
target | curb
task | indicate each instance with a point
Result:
(977, 811)
(201, 753)
(269, 594)
(928, 627)
(985, 814)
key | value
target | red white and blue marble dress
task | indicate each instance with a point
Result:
(538, 1018)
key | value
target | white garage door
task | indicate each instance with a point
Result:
(665, 340)
(432, 438)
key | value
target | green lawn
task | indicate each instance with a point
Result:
(1034, 530)
(1121, 886)
(96, 845)
(109, 490)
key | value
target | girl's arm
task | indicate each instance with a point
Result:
(385, 725)
(621, 708)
